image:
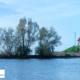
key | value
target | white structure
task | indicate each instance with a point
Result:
(79, 42)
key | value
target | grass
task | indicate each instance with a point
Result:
(76, 49)
(69, 49)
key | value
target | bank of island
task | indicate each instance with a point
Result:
(17, 43)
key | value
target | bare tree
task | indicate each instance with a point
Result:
(32, 32)
(7, 40)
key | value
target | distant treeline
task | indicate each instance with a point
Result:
(17, 43)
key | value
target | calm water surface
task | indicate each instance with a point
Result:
(35, 69)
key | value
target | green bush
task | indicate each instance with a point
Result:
(23, 51)
(42, 51)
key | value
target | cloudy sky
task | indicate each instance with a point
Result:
(63, 15)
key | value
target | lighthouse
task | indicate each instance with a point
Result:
(79, 42)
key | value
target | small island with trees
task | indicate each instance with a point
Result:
(17, 43)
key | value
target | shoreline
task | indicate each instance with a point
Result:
(54, 57)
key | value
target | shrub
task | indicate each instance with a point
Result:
(23, 52)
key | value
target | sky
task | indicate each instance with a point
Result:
(63, 15)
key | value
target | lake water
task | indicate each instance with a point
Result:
(41, 69)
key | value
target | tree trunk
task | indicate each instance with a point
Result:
(52, 48)
(23, 44)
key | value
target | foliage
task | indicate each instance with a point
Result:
(21, 32)
(43, 51)
(7, 40)
(47, 39)
(26, 36)
(32, 32)
(19, 42)
(20, 50)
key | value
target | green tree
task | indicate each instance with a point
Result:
(26, 35)
(48, 39)
(21, 31)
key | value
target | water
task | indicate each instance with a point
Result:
(35, 69)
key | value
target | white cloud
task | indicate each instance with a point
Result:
(58, 8)
(7, 1)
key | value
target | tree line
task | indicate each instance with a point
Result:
(18, 42)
